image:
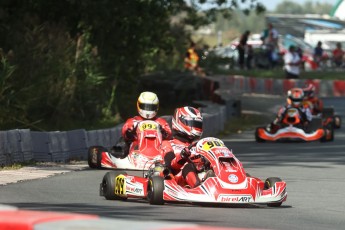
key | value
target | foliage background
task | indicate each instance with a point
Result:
(78, 64)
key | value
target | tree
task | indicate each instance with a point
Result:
(309, 7)
(80, 60)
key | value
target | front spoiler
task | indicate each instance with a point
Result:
(290, 134)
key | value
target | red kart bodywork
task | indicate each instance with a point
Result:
(146, 148)
(292, 129)
(228, 183)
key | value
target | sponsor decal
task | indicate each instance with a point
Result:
(233, 178)
(235, 199)
(225, 152)
(136, 188)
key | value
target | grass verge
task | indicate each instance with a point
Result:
(243, 123)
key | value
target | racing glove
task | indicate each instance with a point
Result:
(130, 134)
(185, 153)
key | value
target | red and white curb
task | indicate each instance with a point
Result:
(12, 218)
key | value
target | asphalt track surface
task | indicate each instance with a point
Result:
(314, 173)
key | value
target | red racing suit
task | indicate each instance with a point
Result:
(305, 117)
(128, 130)
(315, 105)
(304, 112)
(185, 169)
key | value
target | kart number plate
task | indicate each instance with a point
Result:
(120, 184)
(211, 144)
(148, 126)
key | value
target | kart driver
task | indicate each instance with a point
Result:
(187, 128)
(295, 97)
(311, 100)
(147, 106)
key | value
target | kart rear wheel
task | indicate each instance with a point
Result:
(269, 183)
(94, 156)
(257, 137)
(109, 185)
(155, 190)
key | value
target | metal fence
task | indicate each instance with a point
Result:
(24, 145)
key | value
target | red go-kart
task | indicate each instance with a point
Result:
(293, 129)
(225, 182)
(147, 148)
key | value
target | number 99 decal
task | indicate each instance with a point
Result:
(148, 126)
(120, 185)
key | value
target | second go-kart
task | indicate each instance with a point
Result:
(225, 182)
(292, 129)
(146, 149)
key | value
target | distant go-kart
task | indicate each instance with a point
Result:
(145, 149)
(291, 129)
(225, 181)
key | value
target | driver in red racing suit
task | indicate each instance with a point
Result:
(147, 106)
(187, 128)
(311, 100)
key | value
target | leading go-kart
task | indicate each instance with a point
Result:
(293, 129)
(225, 182)
(146, 148)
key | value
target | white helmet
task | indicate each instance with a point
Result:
(148, 105)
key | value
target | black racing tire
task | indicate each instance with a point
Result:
(337, 122)
(94, 156)
(257, 137)
(328, 128)
(108, 185)
(155, 190)
(269, 183)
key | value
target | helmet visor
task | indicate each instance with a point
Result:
(148, 107)
(191, 122)
(297, 102)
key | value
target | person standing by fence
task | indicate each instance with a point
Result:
(241, 47)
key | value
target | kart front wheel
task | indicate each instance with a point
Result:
(329, 133)
(94, 156)
(155, 190)
(269, 183)
(257, 136)
(112, 186)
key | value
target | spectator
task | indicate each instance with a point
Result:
(270, 40)
(241, 47)
(250, 56)
(292, 63)
(191, 60)
(338, 55)
(318, 54)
